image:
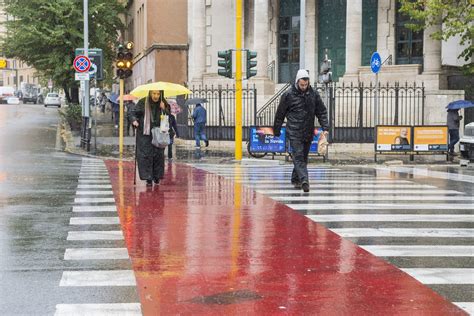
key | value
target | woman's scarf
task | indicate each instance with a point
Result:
(147, 117)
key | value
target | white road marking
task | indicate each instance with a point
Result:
(94, 221)
(442, 275)
(114, 309)
(365, 206)
(347, 185)
(393, 218)
(96, 254)
(100, 208)
(95, 235)
(98, 278)
(420, 251)
(405, 232)
(94, 186)
(467, 306)
(388, 198)
(354, 190)
(109, 192)
(94, 181)
(93, 200)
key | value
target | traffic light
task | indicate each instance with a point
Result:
(225, 61)
(124, 61)
(251, 64)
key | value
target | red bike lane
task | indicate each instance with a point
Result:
(201, 244)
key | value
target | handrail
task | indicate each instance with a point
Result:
(271, 70)
(270, 107)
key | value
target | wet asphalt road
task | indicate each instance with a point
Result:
(38, 184)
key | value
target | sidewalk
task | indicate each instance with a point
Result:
(107, 143)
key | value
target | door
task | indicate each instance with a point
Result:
(409, 44)
(332, 34)
(288, 40)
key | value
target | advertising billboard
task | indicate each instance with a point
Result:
(262, 140)
(430, 138)
(393, 138)
(314, 144)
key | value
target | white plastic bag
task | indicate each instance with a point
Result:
(164, 123)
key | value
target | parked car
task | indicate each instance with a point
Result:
(5, 93)
(52, 99)
(13, 100)
(466, 143)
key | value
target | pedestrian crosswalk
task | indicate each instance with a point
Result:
(97, 250)
(425, 230)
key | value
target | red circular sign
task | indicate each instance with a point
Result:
(82, 63)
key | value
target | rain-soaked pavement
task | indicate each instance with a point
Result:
(37, 190)
(217, 238)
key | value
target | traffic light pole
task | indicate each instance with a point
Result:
(121, 119)
(238, 81)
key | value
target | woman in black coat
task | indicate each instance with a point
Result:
(146, 115)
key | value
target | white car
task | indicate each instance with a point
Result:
(52, 99)
(13, 100)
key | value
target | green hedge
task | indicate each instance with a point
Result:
(73, 115)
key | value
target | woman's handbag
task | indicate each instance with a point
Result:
(160, 139)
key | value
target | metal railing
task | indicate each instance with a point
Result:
(351, 109)
(220, 111)
(266, 114)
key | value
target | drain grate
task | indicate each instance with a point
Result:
(227, 298)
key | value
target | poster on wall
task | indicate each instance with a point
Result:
(262, 140)
(430, 138)
(393, 138)
(314, 143)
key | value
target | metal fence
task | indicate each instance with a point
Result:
(352, 109)
(220, 112)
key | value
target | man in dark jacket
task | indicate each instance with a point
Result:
(300, 105)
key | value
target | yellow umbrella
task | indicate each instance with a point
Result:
(170, 89)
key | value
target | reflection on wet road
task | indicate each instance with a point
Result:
(202, 243)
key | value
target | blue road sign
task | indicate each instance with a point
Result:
(375, 62)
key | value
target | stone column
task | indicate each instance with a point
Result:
(198, 40)
(431, 51)
(353, 36)
(261, 25)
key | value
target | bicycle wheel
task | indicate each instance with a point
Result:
(255, 155)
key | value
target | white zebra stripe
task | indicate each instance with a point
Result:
(98, 278)
(94, 193)
(94, 186)
(405, 232)
(112, 309)
(392, 218)
(467, 306)
(388, 198)
(96, 254)
(100, 208)
(94, 221)
(355, 190)
(365, 206)
(420, 250)
(442, 275)
(95, 235)
(93, 200)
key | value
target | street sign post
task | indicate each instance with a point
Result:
(96, 57)
(375, 65)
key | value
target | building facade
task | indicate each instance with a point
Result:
(159, 32)
(348, 32)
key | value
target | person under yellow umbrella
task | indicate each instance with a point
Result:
(145, 116)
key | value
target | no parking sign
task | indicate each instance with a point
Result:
(82, 63)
